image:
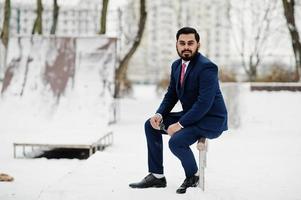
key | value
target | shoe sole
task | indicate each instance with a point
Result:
(183, 192)
(180, 192)
(159, 186)
(195, 185)
(154, 186)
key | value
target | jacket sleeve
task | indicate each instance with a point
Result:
(208, 83)
(171, 98)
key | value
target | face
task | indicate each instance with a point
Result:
(187, 46)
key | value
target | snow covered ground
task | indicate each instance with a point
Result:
(260, 160)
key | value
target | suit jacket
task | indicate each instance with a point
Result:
(202, 101)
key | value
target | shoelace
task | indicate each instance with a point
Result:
(188, 182)
(148, 177)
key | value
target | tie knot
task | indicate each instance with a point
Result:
(183, 65)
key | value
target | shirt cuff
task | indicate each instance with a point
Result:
(160, 116)
(180, 125)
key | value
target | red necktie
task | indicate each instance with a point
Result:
(182, 74)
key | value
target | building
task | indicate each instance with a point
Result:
(152, 61)
(78, 17)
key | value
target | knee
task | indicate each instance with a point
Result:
(173, 143)
(147, 125)
(148, 129)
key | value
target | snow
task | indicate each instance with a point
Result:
(259, 160)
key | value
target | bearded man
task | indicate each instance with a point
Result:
(193, 82)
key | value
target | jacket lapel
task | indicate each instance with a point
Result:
(189, 67)
(178, 74)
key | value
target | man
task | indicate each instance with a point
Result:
(193, 81)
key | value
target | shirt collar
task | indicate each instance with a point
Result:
(186, 62)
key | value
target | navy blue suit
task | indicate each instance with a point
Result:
(204, 113)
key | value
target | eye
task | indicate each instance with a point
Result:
(190, 43)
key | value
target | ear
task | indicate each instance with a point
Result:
(199, 45)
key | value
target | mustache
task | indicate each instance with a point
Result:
(186, 51)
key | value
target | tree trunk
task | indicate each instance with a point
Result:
(254, 61)
(289, 13)
(55, 15)
(4, 36)
(103, 17)
(121, 72)
(37, 27)
(5, 27)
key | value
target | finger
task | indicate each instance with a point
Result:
(169, 133)
(158, 119)
(152, 122)
(155, 125)
(154, 119)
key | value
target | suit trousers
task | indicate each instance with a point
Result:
(179, 145)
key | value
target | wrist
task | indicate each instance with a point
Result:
(158, 114)
(180, 124)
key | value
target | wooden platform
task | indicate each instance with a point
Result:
(89, 142)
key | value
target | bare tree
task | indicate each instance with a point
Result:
(121, 81)
(4, 35)
(37, 26)
(5, 27)
(55, 16)
(289, 13)
(251, 26)
(103, 17)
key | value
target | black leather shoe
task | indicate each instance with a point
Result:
(150, 181)
(188, 182)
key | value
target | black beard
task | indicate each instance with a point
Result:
(187, 58)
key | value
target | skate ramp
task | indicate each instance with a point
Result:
(58, 90)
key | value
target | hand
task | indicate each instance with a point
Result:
(155, 121)
(173, 128)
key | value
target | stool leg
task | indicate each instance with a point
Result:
(202, 157)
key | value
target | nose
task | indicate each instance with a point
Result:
(186, 46)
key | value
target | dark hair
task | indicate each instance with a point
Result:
(188, 30)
